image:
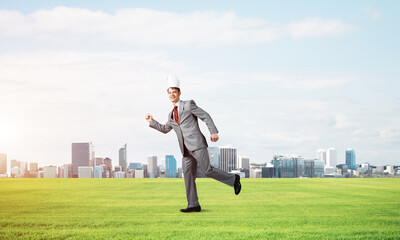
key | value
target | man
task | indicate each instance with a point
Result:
(184, 120)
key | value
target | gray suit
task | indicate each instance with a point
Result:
(193, 146)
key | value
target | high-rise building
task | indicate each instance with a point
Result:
(331, 157)
(98, 172)
(33, 167)
(117, 169)
(243, 162)
(119, 174)
(170, 166)
(15, 168)
(321, 155)
(65, 171)
(319, 168)
(50, 172)
(122, 158)
(23, 166)
(81, 154)
(135, 165)
(98, 161)
(152, 166)
(85, 172)
(139, 173)
(227, 158)
(351, 159)
(107, 161)
(3, 163)
(213, 153)
(15, 172)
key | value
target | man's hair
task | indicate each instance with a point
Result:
(174, 88)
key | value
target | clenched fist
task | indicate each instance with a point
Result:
(149, 118)
(214, 137)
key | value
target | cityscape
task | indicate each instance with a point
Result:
(85, 164)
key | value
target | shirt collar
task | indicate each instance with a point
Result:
(177, 104)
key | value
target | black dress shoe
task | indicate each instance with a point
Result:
(237, 185)
(191, 209)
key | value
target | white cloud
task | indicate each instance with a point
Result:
(343, 122)
(316, 27)
(371, 13)
(146, 26)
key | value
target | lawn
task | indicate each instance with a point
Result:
(149, 209)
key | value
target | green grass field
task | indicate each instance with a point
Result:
(149, 209)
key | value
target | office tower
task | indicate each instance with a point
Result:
(267, 172)
(85, 172)
(98, 172)
(170, 166)
(3, 163)
(145, 170)
(98, 161)
(122, 158)
(119, 174)
(81, 154)
(351, 159)
(15, 168)
(33, 167)
(213, 153)
(321, 155)
(139, 173)
(15, 172)
(117, 169)
(319, 168)
(152, 166)
(243, 162)
(66, 171)
(50, 172)
(331, 157)
(130, 173)
(135, 165)
(14, 163)
(23, 168)
(227, 158)
(108, 163)
(162, 165)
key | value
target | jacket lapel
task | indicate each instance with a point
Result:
(180, 111)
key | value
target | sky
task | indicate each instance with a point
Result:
(277, 77)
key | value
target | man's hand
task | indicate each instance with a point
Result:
(149, 118)
(214, 137)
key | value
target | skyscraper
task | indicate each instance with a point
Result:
(321, 155)
(98, 172)
(213, 153)
(351, 159)
(3, 163)
(243, 162)
(98, 161)
(122, 158)
(227, 158)
(108, 163)
(152, 166)
(33, 167)
(170, 166)
(331, 157)
(81, 154)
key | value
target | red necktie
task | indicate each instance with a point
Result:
(176, 114)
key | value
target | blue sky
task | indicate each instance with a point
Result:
(278, 77)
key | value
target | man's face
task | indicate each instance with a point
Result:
(174, 95)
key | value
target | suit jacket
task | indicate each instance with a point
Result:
(187, 131)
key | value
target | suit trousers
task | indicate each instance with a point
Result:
(190, 161)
